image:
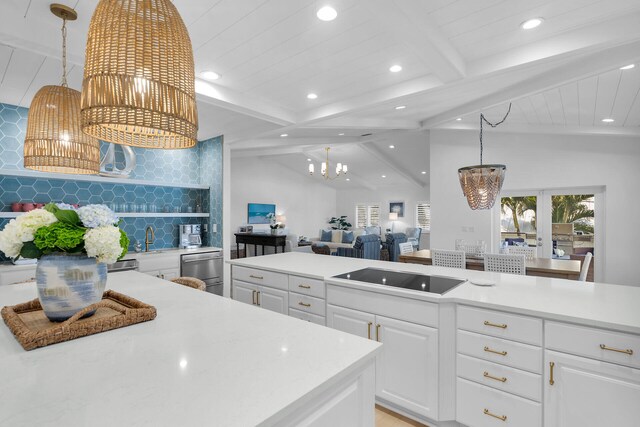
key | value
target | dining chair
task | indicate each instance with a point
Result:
(585, 267)
(447, 258)
(406, 248)
(190, 282)
(529, 252)
(507, 263)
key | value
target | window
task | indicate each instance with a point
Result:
(367, 215)
(423, 216)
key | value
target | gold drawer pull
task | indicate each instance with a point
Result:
(495, 325)
(551, 366)
(500, 417)
(617, 350)
(378, 332)
(256, 277)
(487, 375)
(303, 304)
(369, 329)
(304, 286)
(489, 350)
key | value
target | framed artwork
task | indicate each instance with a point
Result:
(397, 207)
(258, 213)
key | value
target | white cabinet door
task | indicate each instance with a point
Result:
(169, 274)
(351, 321)
(407, 367)
(273, 299)
(587, 392)
(244, 292)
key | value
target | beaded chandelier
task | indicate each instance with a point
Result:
(481, 184)
(54, 140)
(139, 82)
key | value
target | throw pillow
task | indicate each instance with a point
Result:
(372, 230)
(336, 236)
(347, 237)
(325, 236)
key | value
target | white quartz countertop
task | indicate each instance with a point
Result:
(204, 360)
(602, 305)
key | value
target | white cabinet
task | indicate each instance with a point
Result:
(273, 299)
(244, 292)
(587, 392)
(407, 367)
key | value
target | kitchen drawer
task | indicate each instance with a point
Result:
(319, 320)
(480, 406)
(261, 277)
(589, 342)
(510, 353)
(511, 380)
(306, 303)
(306, 286)
(502, 325)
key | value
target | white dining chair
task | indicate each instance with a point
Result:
(405, 248)
(447, 258)
(499, 263)
(585, 267)
(529, 252)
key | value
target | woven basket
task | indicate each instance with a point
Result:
(190, 282)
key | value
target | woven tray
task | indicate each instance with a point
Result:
(32, 329)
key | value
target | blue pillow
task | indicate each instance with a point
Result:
(347, 237)
(326, 236)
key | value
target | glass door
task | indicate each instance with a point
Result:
(518, 220)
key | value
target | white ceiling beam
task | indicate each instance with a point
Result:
(548, 129)
(585, 66)
(276, 143)
(365, 123)
(420, 34)
(375, 152)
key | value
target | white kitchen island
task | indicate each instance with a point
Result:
(204, 360)
(527, 352)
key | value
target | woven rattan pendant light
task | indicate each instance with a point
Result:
(54, 140)
(139, 83)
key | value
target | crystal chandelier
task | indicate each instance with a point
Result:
(324, 169)
(54, 141)
(481, 184)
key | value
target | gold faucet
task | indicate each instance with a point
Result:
(148, 242)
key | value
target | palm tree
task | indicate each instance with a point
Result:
(572, 209)
(518, 206)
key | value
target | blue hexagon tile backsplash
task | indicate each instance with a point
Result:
(199, 165)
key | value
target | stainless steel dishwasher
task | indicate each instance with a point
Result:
(206, 266)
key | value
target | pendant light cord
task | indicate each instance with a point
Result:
(482, 119)
(64, 53)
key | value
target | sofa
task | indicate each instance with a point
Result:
(366, 246)
(392, 244)
(338, 238)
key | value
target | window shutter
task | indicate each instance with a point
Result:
(374, 215)
(423, 216)
(361, 216)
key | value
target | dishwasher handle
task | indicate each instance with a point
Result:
(207, 256)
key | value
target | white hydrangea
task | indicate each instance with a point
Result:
(93, 216)
(103, 243)
(22, 229)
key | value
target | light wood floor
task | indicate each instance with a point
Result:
(386, 418)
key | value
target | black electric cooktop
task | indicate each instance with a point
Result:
(404, 280)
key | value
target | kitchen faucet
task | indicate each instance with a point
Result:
(148, 242)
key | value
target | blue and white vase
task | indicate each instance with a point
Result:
(67, 283)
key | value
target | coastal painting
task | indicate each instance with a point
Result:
(258, 213)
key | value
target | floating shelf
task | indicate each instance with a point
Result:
(96, 178)
(134, 214)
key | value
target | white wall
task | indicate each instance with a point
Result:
(306, 202)
(411, 195)
(541, 162)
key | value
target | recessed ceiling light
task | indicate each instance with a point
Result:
(348, 179)
(423, 172)
(608, 120)
(459, 119)
(210, 75)
(312, 96)
(308, 160)
(283, 135)
(628, 67)
(530, 24)
(326, 13)
(401, 107)
(392, 146)
(395, 68)
(341, 134)
(384, 176)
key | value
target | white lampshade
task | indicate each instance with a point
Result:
(323, 169)
(344, 168)
(311, 168)
(393, 216)
(281, 218)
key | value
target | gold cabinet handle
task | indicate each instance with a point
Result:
(501, 379)
(551, 366)
(258, 298)
(303, 304)
(617, 350)
(495, 325)
(304, 286)
(369, 329)
(500, 417)
(378, 332)
(256, 277)
(253, 297)
(489, 350)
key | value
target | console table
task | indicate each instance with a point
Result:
(258, 239)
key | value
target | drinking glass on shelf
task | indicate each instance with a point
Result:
(142, 208)
(133, 207)
(122, 207)
(166, 209)
(176, 209)
(153, 208)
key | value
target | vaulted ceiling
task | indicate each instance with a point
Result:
(458, 57)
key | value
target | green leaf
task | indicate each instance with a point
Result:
(51, 207)
(30, 250)
(68, 216)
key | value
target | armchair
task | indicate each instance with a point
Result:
(366, 246)
(413, 236)
(393, 241)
